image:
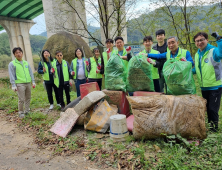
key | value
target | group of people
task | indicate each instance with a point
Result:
(57, 73)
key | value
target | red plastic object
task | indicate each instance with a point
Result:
(88, 88)
(145, 93)
(129, 122)
(119, 99)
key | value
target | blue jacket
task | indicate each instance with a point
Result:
(217, 56)
(163, 56)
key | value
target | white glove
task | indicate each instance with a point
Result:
(14, 88)
(151, 61)
(33, 85)
(70, 82)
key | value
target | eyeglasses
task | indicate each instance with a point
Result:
(59, 55)
(200, 40)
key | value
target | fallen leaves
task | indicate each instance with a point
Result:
(157, 148)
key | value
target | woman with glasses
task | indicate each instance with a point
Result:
(78, 69)
(61, 70)
(45, 69)
(95, 67)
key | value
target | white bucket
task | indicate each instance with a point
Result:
(118, 127)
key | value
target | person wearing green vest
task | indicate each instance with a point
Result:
(62, 77)
(161, 46)
(78, 69)
(95, 68)
(148, 42)
(174, 51)
(21, 76)
(45, 70)
(121, 51)
(208, 67)
(108, 53)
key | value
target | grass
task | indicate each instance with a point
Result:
(139, 154)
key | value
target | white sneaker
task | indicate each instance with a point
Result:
(59, 105)
(21, 115)
(51, 107)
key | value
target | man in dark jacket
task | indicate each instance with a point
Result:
(161, 46)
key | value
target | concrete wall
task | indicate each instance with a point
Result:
(18, 32)
(60, 16)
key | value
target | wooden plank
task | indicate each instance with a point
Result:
(65, 123)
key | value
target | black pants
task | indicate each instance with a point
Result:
(49, 93)
(99, 81)
(66, 88)
(213, 98)
(156, 85)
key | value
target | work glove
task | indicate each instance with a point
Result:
(108, 51)
(44, 70)
(87, 63)
(216, 35)
(97, 71)
(183, 59)
(33, 85)
(151, 61)
(128, 49)
(14, 88)
(99, 67)
(87, 80)
(73, 73)
(70, 82)
(52, 70)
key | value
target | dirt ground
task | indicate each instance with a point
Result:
(4, 73)
(18, 152)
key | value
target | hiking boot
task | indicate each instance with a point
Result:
(51, 107)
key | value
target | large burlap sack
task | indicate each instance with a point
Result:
(98, 117)
(170, 115)
(179, 77)
(115, 74)
(139, 75)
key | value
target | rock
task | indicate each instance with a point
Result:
(88, 101)
(67, 44)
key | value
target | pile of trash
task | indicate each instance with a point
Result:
(153, 116)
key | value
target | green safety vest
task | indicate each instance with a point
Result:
(181, 53)
(155, 73)
(64, 70)
(211, 71)
(46, 74)
(124, 54)
(105, 58)
(22, 74)
(74, 63)
(92, 74)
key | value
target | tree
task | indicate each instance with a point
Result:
(182, 18)
(109, 14)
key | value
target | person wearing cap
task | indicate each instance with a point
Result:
(124, 53)
(161, 46)
(174, 52)
(208, 67)
(21, 76)
(148, 42)
(108, 53)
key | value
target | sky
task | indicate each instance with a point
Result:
(40, 26)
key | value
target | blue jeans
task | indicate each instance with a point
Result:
(77, 83)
